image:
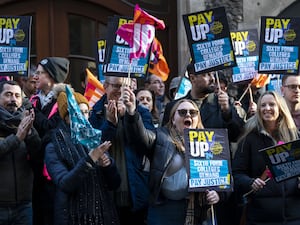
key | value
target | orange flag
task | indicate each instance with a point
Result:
(94, 88)
(158, 63)
(260, 80)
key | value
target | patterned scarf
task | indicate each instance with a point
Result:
(45, 99)
(91, 205)
(197, 212)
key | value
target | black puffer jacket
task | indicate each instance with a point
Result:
(276, 203)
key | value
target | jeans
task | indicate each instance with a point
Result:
(16, 215)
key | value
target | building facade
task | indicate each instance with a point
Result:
(71, 28)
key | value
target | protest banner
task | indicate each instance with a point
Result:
(209, 40)
(15, 33)
(283, 160)
(245, 44)
(117, 51)
(275, 83)
(279, 45)
(207, 157)
(100, 59)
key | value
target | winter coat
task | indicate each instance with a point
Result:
(16, 159)
(276, 203)
(82, 187)
(134, 192)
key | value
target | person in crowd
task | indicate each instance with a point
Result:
(50, 72)
(19, 146)
(83, 177)
(131, 198)
(216, 112)
(290, 90)
(271, 203)
(156, 84)
(146, 98)
(165, 149)
(173, 87)
(28, 83)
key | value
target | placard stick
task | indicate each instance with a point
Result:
(244, 93)
(126, 81)
(218, 81)
(250, 93)
(252, 190)
(212, 214)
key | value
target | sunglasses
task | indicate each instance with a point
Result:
(183, 112)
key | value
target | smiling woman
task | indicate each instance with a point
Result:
(272, 124)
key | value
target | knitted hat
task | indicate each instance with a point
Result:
(174, 82)
(62, 102)
(57, 67)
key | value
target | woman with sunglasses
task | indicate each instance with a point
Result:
(165, 149)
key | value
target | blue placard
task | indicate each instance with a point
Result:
(279, 45)
(15, 45)
(208, 159)
(209, 40)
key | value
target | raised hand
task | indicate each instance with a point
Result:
(98, 154)
(129, 100)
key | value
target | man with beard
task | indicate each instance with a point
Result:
(19, 147)
(215, 109)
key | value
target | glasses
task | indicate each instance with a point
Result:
(115, 86)
(85, 112)
(292, 87)
(183, 112)
(39, 72)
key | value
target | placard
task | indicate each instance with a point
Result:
(246, 50)
(117, 54)
(209, 40)
(100, 59)
(208, 159)
(279, 45)
(15, 33)
(283, 160)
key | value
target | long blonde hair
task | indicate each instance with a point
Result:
(286, 128)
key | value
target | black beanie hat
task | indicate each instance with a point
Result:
(57, 67)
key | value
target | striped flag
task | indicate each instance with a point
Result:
(94, 88)
(158, 63)
(260, 80)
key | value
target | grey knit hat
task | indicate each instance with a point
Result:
(57, 67)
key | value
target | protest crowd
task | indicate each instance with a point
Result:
(140, 154)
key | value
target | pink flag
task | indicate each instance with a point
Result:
(140, 33)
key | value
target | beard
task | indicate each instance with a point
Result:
(209, 89)
(11, 107)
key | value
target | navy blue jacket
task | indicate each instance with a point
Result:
(137, 176)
